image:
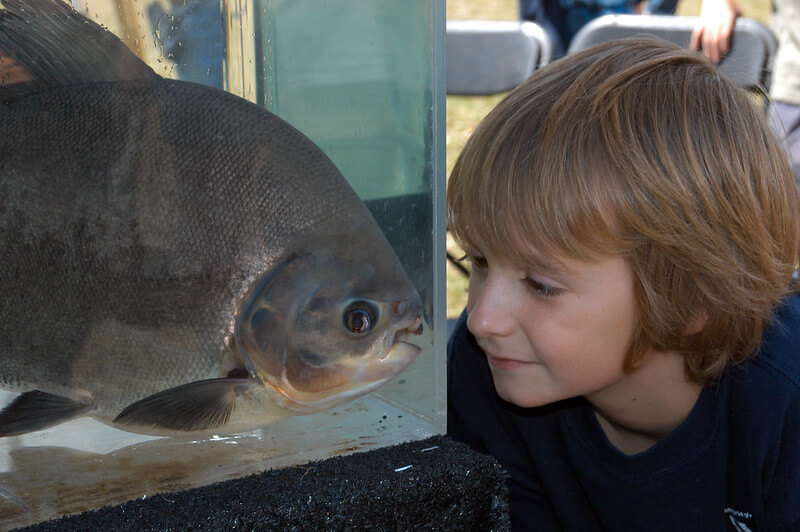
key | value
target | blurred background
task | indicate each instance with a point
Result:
(464, 112)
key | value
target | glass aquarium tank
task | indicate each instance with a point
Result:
(363, 79)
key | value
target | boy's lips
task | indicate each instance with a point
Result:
(506, 363)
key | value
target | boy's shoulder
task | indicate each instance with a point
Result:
(764, 392)
(776, 367)
(764, 420)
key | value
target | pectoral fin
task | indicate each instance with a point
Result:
(32, 411)
(198, 405)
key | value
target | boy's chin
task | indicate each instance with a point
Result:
(520, 395)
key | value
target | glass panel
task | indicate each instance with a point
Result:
(364, 81)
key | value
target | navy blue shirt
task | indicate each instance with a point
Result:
(733, 464)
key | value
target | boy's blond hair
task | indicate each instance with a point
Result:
(641, 148)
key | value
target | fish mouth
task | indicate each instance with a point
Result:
(403, 336)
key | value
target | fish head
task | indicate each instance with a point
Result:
(323, 327)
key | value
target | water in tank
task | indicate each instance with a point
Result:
(96, 203)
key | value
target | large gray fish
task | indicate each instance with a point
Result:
(174, 258)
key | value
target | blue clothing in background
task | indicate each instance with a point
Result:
(562, 19)
(192, 36)
(733, 464)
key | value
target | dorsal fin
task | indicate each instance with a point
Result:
(46, 43)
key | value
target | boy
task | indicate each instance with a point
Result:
(631, 347)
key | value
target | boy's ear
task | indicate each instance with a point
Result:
(696, 324)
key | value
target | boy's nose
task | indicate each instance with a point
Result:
(489, 311)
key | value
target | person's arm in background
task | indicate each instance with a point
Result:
(713, 33)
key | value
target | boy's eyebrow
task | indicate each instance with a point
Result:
(549, 267)
(527, 258)
(550, 264)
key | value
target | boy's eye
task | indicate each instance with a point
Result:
(478, 262)
(542, 289)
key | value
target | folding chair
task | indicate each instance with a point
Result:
(487, 57)
(748, 63)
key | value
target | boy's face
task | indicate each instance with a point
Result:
(552, 335)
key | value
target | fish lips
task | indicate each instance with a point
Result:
(403, 341)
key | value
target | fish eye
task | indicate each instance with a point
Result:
(359, 317)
